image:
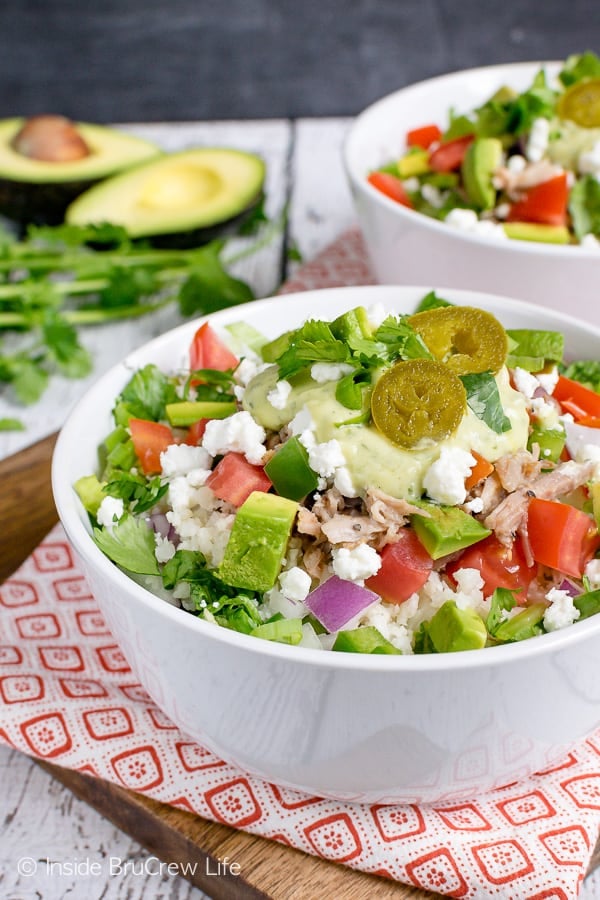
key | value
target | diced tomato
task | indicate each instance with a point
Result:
(149, 441)
(480, 470)
(405, 567)
(561, 537)
(423, 137)
(207, 351)
(234, 479)
(545, 203)
(500, 566)
(584, 399)
(391, 186)
(449, 155)
(196, 432)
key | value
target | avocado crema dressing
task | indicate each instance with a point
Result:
(372, 459)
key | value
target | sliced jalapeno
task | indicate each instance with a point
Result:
(418, 400)
(466, 339)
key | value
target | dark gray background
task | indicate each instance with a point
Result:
(154, 60)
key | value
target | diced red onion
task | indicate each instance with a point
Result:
(572, 589)
(335, 602)
(160, 524)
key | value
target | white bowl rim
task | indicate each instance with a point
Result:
(529, 248)
(81, 540)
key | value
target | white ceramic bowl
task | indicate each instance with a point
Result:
(407, 247)
(370, 728)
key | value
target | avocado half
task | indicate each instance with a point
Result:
(176, 200)
(38, 191)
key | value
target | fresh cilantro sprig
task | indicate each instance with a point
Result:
(60, 278)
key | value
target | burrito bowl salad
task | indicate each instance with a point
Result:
(522, 165)
(378, 483)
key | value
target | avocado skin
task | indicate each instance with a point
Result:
(26, 203)
(185, 240)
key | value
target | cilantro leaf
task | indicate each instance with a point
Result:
(139, 492)
(432, 301)
(483, 399)
(147, 393)
(579, 66)
(401, 340)
(209, 286)
(64, 348)
(312, 342)
(130, 544)
(502, 601)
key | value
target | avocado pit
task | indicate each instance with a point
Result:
(50, 139)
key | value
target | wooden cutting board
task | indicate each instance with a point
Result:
(266, 869)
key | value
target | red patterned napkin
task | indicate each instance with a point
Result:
(67, 695)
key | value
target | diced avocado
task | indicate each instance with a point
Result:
(257, 543)
(532, 231)
(415, 162)
(188, 411)
(550, 441)
(38, 182)
(89, 490)
(481, 160)
(452, 629)
(367, 639)
(446, 529)
(290, 472)
(177, 199)
(352, 324)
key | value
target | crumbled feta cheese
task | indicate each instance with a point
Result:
(238, 433)
(525, 382)
(295, 583)
(548, 380)
(590, 241)
(411, 185)
(377, 313)
(201, 521)
(110, 511)
(357, 564)
(469, 592)
(589, 161)
(302, 421)
(463, 219)
(165, 550)
(322, 372)
(537, 143)
(248, 367)
(310, 638)
(475, 505)
(546, 413)
(444, 481)
(516, 163)
(385, 618)
(180, 459)
(325, 458)
(342, 480)
(432, 195)
(592, 573)
(279, 396)
(561, 612)
(466, 220)
(502, 210)
(307, 439)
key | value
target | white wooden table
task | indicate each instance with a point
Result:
(40, 819)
